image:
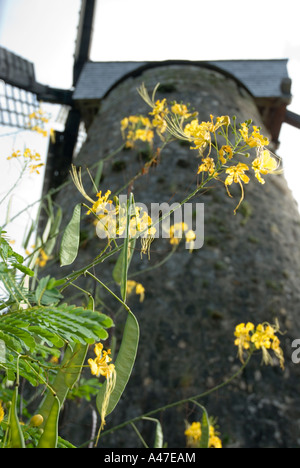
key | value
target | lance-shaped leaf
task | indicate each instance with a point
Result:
(70, 241)
(123, 364)
(204, 441)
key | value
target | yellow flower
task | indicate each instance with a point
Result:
(34, 156)
(255, 139)
(142, 223)
(199, 134)
(214, 440)
(180, 109)
(263, 337)
(160, 107)
(42, 259)
(100, 365)
(100, 206)
(243, 338)
(193, 432)
(38, 129)
(139, 289)
(264, 164)
(237, 174)
(124, 123)
(225, 153)
(278, 351)
(160, 123)
(176, 232)
(15, 154)
(193, 435)
(1, 412)
(52, 135)
(138, 128)
(223, 120)
(34, 168)
(144, 135)
(190, 237)
(208, 165)
(37, 121)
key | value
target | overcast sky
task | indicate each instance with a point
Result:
(44, 32)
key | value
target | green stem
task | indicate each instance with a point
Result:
(139, 435)
(109, 290)
(181, 402)
(14, 186)
(157, 265)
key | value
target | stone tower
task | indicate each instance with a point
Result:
(247, 270)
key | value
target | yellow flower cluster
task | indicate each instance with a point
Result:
(137, 287)
(141, 128)
(179, 123)
(193, 435)
(112, 219)
(200, 134)
(255, 139)
(264, 163)
(42, 259)
(101, 366)
(136, 128)
(28, 155)
(37, 123)
(263, 337)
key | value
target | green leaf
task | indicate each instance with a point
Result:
(204, 441)
(41, 288)
(10, 341)
(52, 339)
(22, 334)
(54, 231)
(123, 364)
(159, 439)
(22, 329)
(23, 269)
(70, 241)
(17, 256)
(51, 297)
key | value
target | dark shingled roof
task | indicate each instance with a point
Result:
(262, 78)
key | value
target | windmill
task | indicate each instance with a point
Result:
(20, 95)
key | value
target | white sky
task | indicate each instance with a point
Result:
(44, 32)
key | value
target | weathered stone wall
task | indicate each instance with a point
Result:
(247, 270)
